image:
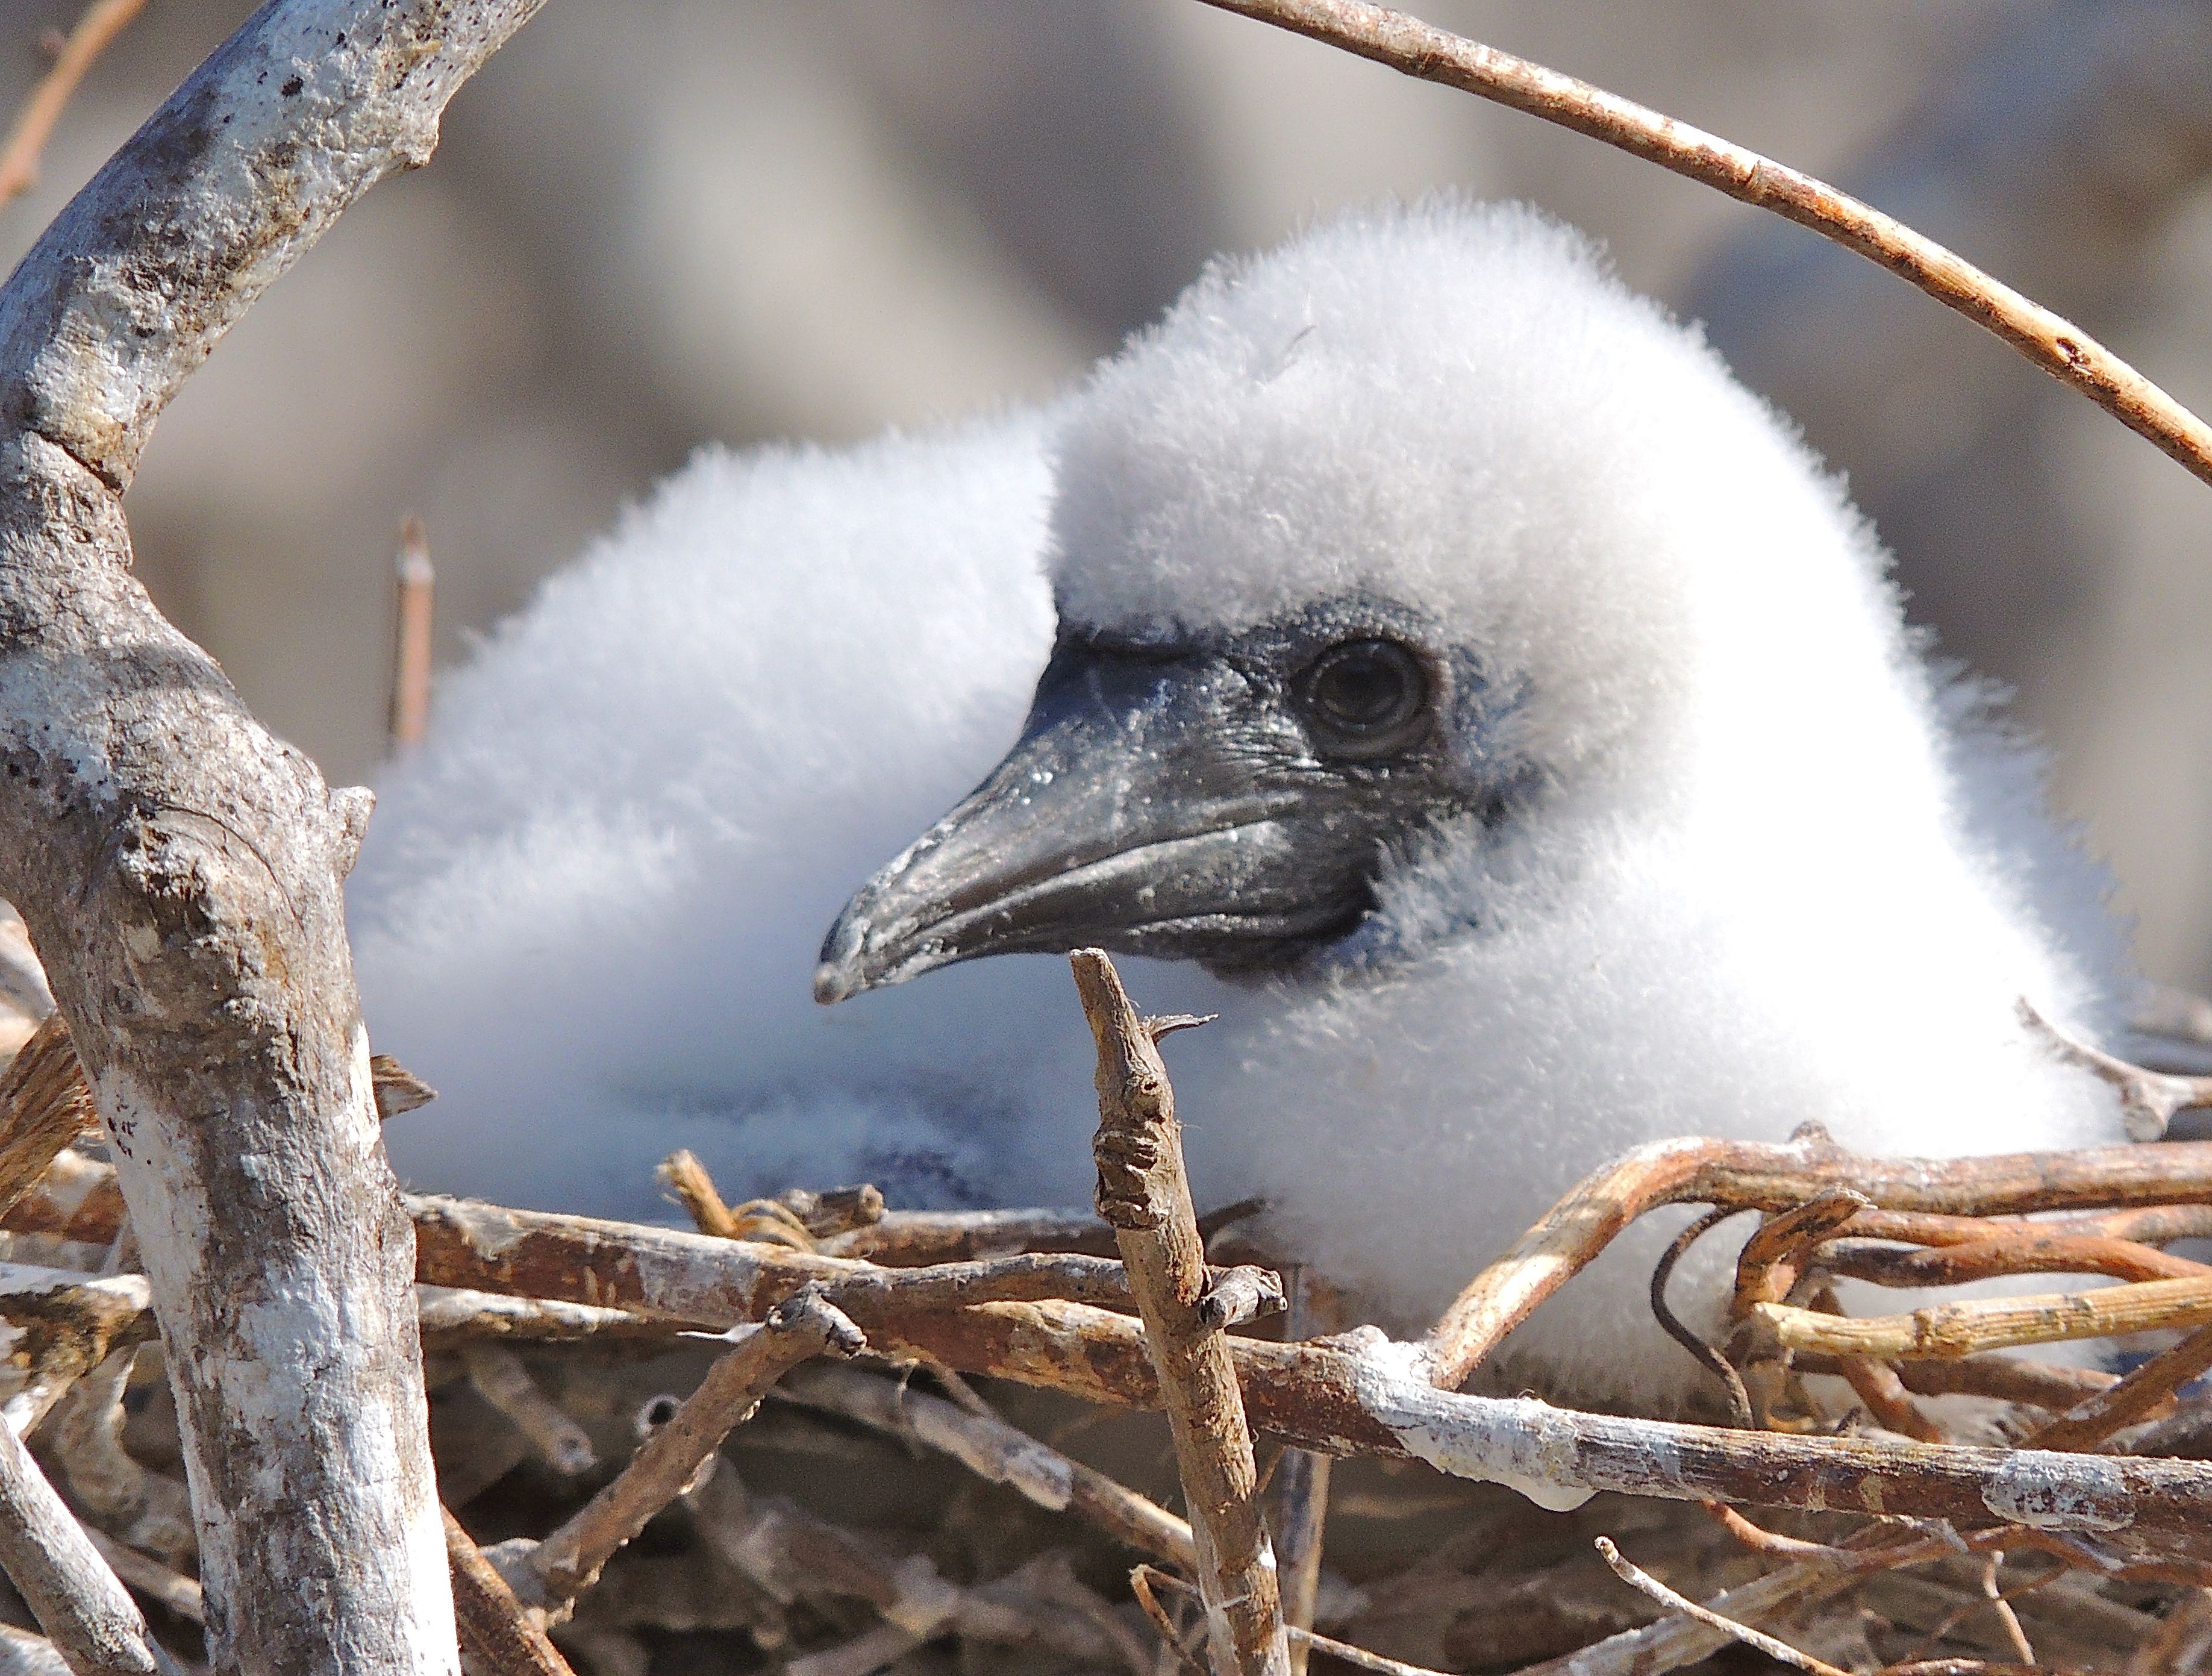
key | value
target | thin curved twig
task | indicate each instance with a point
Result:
(1710, 1360)
(103, 20)
(1416, 49)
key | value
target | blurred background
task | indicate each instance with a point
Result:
(660, 223)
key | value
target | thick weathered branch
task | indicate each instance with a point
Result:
(180, 869)
(1144, 1195)
(2057, 345)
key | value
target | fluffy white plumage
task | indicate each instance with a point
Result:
(1762, 865)
(591, 901)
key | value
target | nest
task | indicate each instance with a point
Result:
(828, 1436)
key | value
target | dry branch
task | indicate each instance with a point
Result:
(26, 144)
(997, 1453)
(77, 1600)
(2057, 345)
(1968, 1325)
(180, 869)
(499, 1377)
(1781, 1179)
(2131, 1399)
(792, 1553)
(1642, 1582)
(43, 1106)
(497, 1636)
(1144, 1196)
(415, 584)
(796, 1330)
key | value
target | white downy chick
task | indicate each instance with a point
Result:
(1454, 656)
(589, 903)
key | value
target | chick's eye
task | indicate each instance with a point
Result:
(1364, 697)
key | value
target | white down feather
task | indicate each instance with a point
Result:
(1778, 871)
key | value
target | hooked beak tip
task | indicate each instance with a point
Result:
(841, 975)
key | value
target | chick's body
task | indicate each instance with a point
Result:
(1680, 834)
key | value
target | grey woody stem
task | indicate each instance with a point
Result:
(1144, 1195)
(180, 869)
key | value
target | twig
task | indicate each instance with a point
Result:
(1876, 1384)
(1144, 1195)
(1967, 1325)
(1771, 1259)
(1642, 1580)
(683, 1175)
(2131, 1399)
(1780, 1179)
(449, 1314)
(499, 1637)
(43, 1106)
(22, 1653)
(415, 583)
(1707, 1357)
(501, 1379)
(2061, 349)
(1992, 1563)
(68, 1324)
(1300, 1505)
(1761, 1540)
(2148, 1099)
(1347, 1399)
(2007, 1252)
(144, 1509)
(997, 1452)
(1143, 1577)
(804, 1326)
(792, 1553)
(100, 23)
(78, 1601)
(2182, 1641)
(2006, 1378)
(397, 1089)
(908, 1238)
(171, 1590)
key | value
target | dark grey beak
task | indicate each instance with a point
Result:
(1155, 805)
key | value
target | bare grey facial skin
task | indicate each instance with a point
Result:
(1230, 799)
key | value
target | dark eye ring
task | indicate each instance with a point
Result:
(1365, 698)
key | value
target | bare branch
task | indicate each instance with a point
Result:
(102, 21)
(1781, 1179)
(2133, 1399)
(76, 1599)
(1967, 1325)
(804, 1326)
(2148, 1099)
(1642, 1580)
(180, 869)
(43, 1106)
(1144, 1195)
(499, 1377)
(417, 589)
(998, 1451)
(498, 1635)
(2057, 345)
